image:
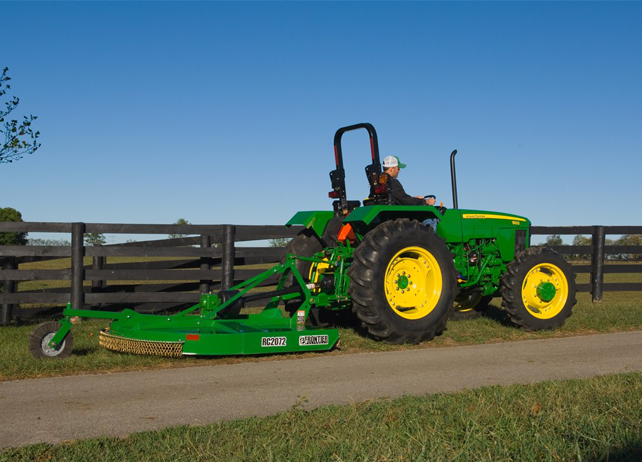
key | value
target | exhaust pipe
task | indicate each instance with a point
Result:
(453, 177)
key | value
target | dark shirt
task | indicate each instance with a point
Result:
(400, 196)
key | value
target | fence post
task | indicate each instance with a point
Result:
(77, 269)
(9, 288)
(205, 263)
(227, 279)
(597, 274)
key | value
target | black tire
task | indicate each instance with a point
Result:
(331, 232)
(377, 292)
(305, 244)
(469, 306)
(528, 304)
(42, 335)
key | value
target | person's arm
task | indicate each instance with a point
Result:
(400, 196)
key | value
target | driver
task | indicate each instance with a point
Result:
(392, 166)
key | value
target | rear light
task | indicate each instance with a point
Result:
(334, 194)
(382, 184)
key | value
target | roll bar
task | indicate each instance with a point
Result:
(337, 176)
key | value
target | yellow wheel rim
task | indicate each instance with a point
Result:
(413, 283)
(545, 291)
(467, 303)
(317, 270)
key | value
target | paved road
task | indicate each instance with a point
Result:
(65, 408)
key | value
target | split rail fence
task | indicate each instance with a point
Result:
(169, 274)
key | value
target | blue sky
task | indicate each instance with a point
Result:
(224, 112)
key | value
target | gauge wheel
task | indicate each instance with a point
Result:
(538, 289)
(41, 336)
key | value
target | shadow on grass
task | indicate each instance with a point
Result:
(84, 351)
(631, 453)
(500, 316)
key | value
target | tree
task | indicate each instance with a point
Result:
(180, 221)
(18, 138)
(630, 239)
(581, 240)
(95, 239)
(554, 239)
(48, 242)
(9, 214)
(279, 242)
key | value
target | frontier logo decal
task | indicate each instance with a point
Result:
(274, 341)
(309, 340)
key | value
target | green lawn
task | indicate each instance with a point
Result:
(579, 420)
(618, 312)
(597, 419)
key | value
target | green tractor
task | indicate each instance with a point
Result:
(402, 279)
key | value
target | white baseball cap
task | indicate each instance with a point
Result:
(392, 161)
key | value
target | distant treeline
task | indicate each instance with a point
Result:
(583, 240)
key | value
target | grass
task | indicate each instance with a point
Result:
(573, 420)
(621, 311)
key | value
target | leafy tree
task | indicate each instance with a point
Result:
(95, 239)
(180, 221)
(554, 239)
(581, 240)
(10, 214)
(18, 138)
(279, 242)
(630, 239)
(48, 242)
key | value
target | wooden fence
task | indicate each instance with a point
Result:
(179, 271)
(183, 268)
(599, 252)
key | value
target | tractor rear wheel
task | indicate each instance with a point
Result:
(402, 282)
(41, 336)
(538, 289)
(470, 306)
(305, 244)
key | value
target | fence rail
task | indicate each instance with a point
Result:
(183, 268)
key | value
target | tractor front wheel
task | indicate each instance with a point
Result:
(41, 336)
(402, 282)
(470, 306)
(538, 289)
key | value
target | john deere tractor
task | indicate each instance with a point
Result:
(402, 278)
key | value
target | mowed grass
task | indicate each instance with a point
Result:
(617, 313)
(597, 419)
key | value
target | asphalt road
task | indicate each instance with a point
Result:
(59, 409)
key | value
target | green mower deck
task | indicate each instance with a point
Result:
(213, 327)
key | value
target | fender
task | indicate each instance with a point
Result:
(316, 220)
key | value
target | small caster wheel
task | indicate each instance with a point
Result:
(41, 336)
